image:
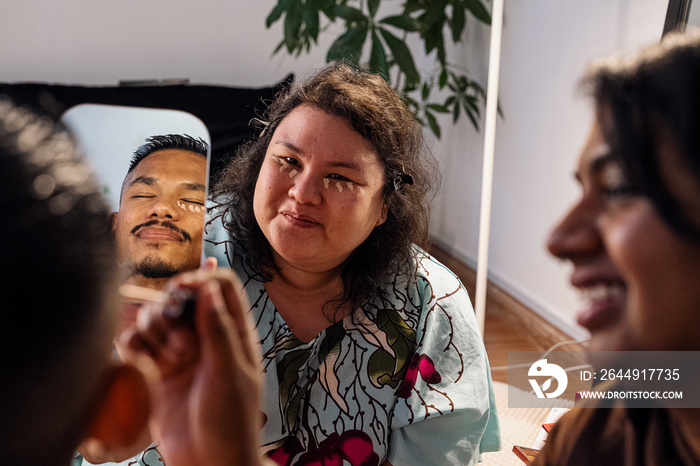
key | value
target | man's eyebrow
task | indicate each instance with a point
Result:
(151, 181)
(147, 180)
(193, 187)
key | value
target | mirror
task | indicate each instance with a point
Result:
(681, 14)
(109, 135)
(159, 221)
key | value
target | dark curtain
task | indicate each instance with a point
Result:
(226, 111)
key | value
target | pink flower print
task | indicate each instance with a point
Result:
(420, 364)
(286, 453)
(353, 446)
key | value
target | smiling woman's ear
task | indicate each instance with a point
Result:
(119, 427)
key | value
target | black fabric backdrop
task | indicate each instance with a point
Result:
(226, 111)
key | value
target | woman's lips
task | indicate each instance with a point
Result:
(300, 220)
(604, 304)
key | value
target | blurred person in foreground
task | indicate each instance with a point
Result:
(633, 239)
(60, 386)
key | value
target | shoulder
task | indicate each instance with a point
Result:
(434, 281)
(429, 269)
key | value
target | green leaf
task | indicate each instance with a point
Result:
(350, 14)
(458, 21)
(439, 108)
(471, 116)
(402, 56)
(292, 25)
(403, 22)
(328, 8)
(433, 124)
(377, 59)
(455, 112)
(413, 5)
(276, 12)
(349, 45)
(443, 78)
(434, 39)
(425, 92)
(279, 47)
(312, 21)
(478, 10)
(373, 7)
(434, 14)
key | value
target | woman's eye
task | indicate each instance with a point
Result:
(618, 191)
(337, 177)
(287, 161)
(615, 184)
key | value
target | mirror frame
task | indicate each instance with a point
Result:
(677, 16)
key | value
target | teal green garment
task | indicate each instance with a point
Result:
(149, 457)
(404, 379)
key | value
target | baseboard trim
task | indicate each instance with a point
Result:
(503, 305)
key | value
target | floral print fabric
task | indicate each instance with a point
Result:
(411, 354)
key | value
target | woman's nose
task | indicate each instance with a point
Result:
(577, 234)
(306, 189)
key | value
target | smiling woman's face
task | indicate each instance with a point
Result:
(319, 191)
(638, 278)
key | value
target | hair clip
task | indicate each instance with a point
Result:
(401, 179)
(257, 123)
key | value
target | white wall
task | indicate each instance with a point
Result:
(104, 41)
(546, 45)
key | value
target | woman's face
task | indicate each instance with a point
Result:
(319, 192)
(637, 278)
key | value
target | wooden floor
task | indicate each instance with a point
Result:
(501, 337)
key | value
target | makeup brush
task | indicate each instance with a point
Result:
(178, 304)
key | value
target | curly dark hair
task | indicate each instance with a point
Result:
(379, 114)
(647, 98)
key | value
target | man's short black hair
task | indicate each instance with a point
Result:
(168, 141)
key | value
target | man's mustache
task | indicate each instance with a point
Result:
(167, 224)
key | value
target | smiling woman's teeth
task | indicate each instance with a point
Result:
(602, 292)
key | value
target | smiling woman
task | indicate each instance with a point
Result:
(371, 347)
(633, 239)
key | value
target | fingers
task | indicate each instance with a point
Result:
(210, 263)
(222, 324)
(220, 344)
(234, 301)
(170, 345)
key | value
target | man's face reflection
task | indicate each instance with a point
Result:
(158, 229)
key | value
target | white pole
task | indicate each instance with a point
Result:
(487, 173)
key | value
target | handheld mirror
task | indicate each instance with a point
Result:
(158, 202)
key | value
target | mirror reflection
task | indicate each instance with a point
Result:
(152, 167)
